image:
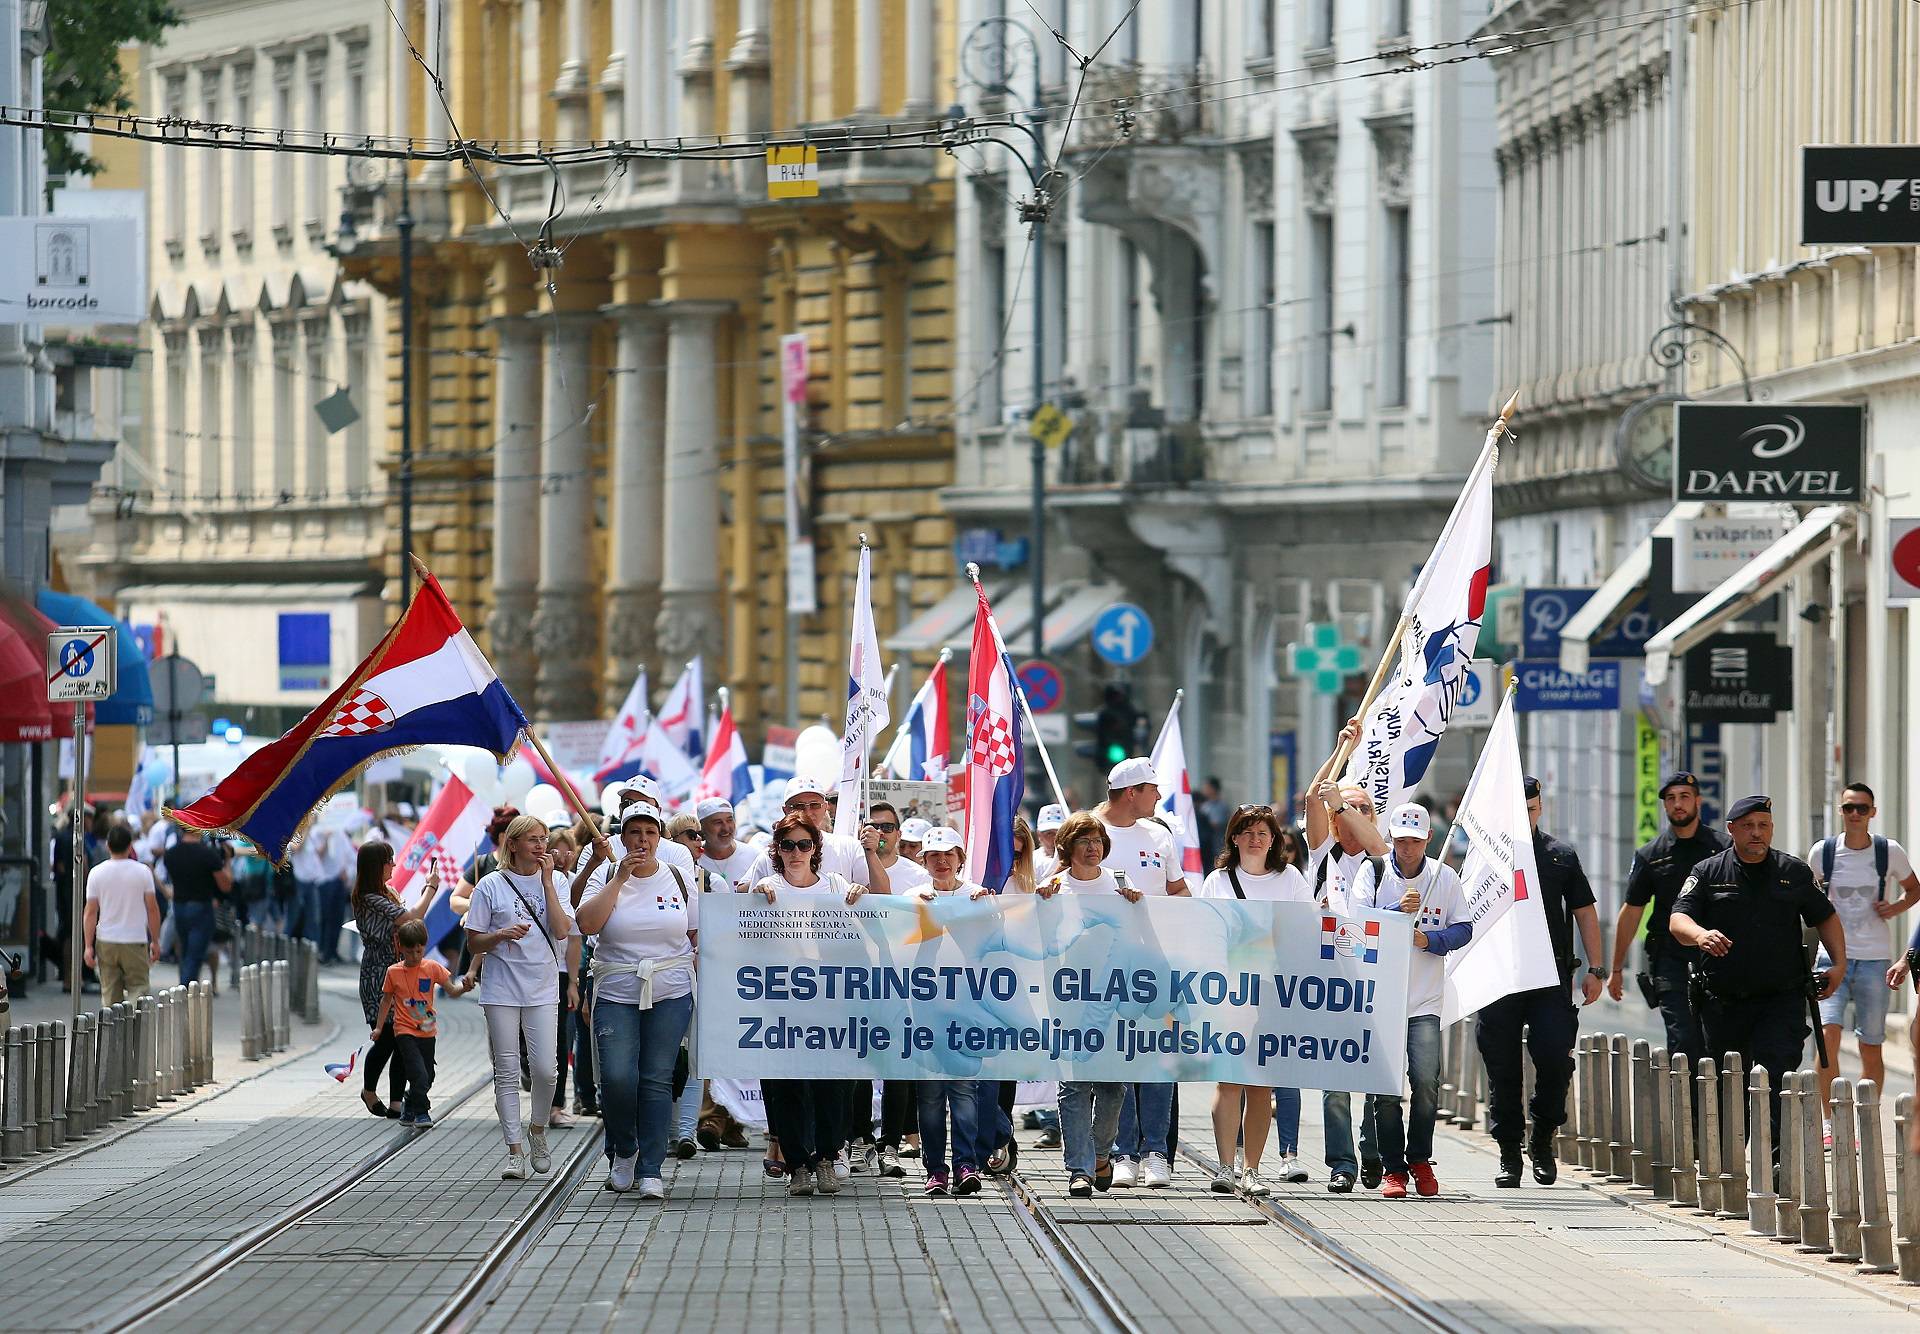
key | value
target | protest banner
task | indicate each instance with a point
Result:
(914, 800)
(1075, 987)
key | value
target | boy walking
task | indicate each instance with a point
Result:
(408, 1001)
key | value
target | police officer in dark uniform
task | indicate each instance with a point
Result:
(1659, 869)
(1742, 909)
(1547, 1013)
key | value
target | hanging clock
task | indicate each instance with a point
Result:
(1643, 443)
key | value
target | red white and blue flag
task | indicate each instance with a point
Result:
(454, 825)
(1176, 796)
(867, 714)
(426, 682)
(995, 775)
(340, 1070)
(1402, 730)
(919, 749)
(727, 773)
(684, 714)
(620, 748)
(1356, 940)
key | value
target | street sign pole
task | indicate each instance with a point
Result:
(79, 858)
(173, 708)
(80, 667)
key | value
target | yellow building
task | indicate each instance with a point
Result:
(597, 475)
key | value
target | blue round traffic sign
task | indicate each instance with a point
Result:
(1469, 689)
(76, 658)
(1122, 634)
(1042, 684)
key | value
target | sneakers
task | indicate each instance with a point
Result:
(1395, 1186)
(559, 1119)
(1370, 1174)
(1291, 1168)
(516, 1168)
(620, 1173)
(709, 1138)
(1340, 1183)
(863, 1157)
(890, 1164)
(1223, 1182)
(936, 1184)
(1049, 1138)
(800, 1181)
(1080, 1186)
(1154, 1172)
(1000, 1161)
(1424, 1180)
(1508, 1177)
(424, 1121)
(1125, 1173)
(842, 1169)
(968, 1183)
(1253, 1187)
(829, 1181)
(537, 1147)
(684, 1148)
(652, 1188)
(910, 1148)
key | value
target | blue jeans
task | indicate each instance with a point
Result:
(193, 928)
(1401, 1143)
(303, 911)
(1286, 1120)
(1865, 985)
(637, 1050)
(1336, 1119)
(1146, 1117)
(686, 1116)
(584, 1090)
(1089, 1119)
(937, 1098)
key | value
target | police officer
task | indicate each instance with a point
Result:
(1547, 1013)
(1659, 869)
(1742, 910)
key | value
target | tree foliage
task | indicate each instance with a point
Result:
(82, 68)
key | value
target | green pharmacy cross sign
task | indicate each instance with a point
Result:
(1324, 658)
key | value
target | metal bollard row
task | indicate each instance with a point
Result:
(1906, 1192)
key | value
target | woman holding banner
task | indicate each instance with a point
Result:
(645, 920)
(942, 1099)
(807, 1116)
(378, 913)
(1254, 837)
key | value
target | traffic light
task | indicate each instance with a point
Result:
(1118, 723)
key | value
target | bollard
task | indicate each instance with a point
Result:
(295, 963)
(58, 1061)
(1686, 1194)
(1706, 1105)
(1906, 1189)
(249, 1042)
(1566, 1139)
(195, 997)
(1786, 1203)
(80, 1079)
(142, 1067)
(13, 1139)
(1529, 1078)
(30, 1088)
(175, 1081)
(311, 996)
(1642, 1156)
(163, 1090)
(1619, 1112)
(43, 1087)
(1733, 1137)
(1844, 1217)
(1599, 1148)
(1876, 1229)
(1813, 1167)
(109, 1044)
(1760, 1199)
(1472, 1082)
(122, 1061)
(1450, 1073)
(282, 1015)
(1662, 1131)
(206, 1033)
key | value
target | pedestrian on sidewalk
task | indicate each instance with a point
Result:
(406, 1012)
(1413, 883)
(564, 845)
(1861, 872)
(198, 874)
(122, 920)
(520, 983)
(645, 921)
(955, 1101)
(1249, 867)
(379, 914)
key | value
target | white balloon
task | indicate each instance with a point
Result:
(516, 780)
(816, 753)
(544, 801)
(610, 800)
(481, 773)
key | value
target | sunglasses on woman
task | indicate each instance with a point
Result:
(795, 845)
(1239, 811)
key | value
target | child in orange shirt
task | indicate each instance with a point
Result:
(408, 1001)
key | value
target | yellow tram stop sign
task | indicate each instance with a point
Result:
(793, 171)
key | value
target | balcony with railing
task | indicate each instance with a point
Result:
(1136, 105)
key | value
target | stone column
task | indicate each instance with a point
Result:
(570, 83)
(872, 67)
(516, 516)
(564, 628)
(689, 621)
(919, 103)
(619, 81)
(434, 46)
(751, 89)
(636, 475)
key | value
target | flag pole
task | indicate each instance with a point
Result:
(1019, 693)
(866, 742)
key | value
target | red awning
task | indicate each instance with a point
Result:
(25, 714)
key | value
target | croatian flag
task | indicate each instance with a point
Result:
(454, 825)
(622, 742)
(1358, 940)
(727, 773)
(867, 714)
(684, 714)
(340, 1070)
(425, 683)
(919, 749)
(995, 778)
(1176, 794)
(1402, 730)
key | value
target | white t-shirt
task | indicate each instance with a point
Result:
(841, 855)
(1044, 864)
(734, 866)
(828, 883)
(1144, 852)
(1854, 893)
(1440, 905)
(1285, 885)
(650, 921)
(524, 971)
(120, 887)
(965, 889)
(904, 876)
(1342, 867)
(1104, 883)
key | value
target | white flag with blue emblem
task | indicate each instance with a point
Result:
(867, 714)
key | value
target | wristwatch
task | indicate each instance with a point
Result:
(1341, 809)
(1600, 973)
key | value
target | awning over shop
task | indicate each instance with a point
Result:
(132, 699)
(25, 714)
(933, 627)
(1067, 624)
(1012, 613)
(1814, 536)
(1624, 587)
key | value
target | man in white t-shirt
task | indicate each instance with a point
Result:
(1860, 871)
(723, 856)
(902, 874)
(855, 858)
(122, 921)
(1413, 883)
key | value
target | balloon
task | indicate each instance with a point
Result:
(544, 801)
(481, 773)
(816, 753)
(610, 800)
(516, 781)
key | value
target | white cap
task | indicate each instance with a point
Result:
(1052, 816)
(941, 838)
(643, 810)
(406, 810)
(914, 830)
(800, 786)
(1409, 821)
(1130, 773)
(711, 807)
(560, 820)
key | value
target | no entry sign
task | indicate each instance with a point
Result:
(1903, 555)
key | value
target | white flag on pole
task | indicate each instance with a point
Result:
(1176, 796)
(867, 713)
(1499, 884)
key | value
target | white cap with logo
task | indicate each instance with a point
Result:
(1052, 816)
(1409, 820)
(941, 838)
(803, 786)
(1130, 773)
(914, 829)
(711, 807)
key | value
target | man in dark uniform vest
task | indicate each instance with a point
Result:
(1743, 910)
(1659, 869)
(1547, 1013)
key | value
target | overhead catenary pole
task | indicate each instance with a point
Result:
(403, 223)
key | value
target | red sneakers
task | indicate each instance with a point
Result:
(1424, 1180)
(1394, 1187)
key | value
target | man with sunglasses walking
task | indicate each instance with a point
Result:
(1860, 871)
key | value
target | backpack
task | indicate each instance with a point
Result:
(1881, 857)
